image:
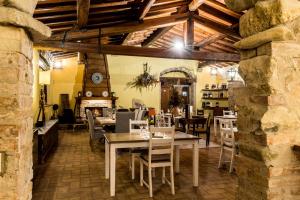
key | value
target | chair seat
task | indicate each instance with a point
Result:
(156, 158)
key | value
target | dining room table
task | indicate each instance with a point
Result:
(217, 119)
(114, 141)
(105, 121)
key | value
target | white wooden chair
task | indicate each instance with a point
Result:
(96, 132)
(163, 120)
(134, 127)
(227, 141)
(160, 154)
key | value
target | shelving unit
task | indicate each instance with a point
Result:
(217, 102)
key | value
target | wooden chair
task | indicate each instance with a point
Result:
(227, 112)
(203, 129)
(227, 141)
(134, 127)
(96, 133)
(162, 120)
(160, 154)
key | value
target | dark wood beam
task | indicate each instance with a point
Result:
(136, 51)
(145, 8)
(126, 28)
(209, 40)
(194, 5)
(217, 27)
(83, 10)
(155, 35)
(189, 33)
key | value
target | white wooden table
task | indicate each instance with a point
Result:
(217, 118)
(115, 141)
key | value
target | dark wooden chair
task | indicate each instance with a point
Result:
(202, 126)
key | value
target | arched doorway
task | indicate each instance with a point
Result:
(180, 80)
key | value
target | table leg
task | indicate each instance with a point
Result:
(195, 163)
(177, 159)
(215, 126)
(112, 170)
(106, 160)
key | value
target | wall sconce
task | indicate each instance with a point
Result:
(213, 71)
(57, 65)
(231, 73)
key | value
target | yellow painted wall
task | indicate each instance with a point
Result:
(67, 80)
(123, 69)
(36, 88)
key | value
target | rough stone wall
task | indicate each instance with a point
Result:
(16, 79)
(269, 105)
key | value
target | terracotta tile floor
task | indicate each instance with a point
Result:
(74, 172)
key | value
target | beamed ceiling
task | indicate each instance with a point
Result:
(206, 27)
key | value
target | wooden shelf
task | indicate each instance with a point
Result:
(98, 98)
(214, 90)
(212, 108)
(216, 98)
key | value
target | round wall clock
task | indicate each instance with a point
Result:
(88, 94)
(97, 78)
(105, 94)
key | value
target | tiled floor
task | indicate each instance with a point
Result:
(74, 172)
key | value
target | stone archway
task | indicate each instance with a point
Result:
(189, 75)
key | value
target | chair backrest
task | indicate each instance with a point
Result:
(163, 120)
(227, 132)
(134, 125)
(122, 121)
(163, 145)
(91, 122)
(141, 114)
(208, 121)
(107, 112)
(227, 112)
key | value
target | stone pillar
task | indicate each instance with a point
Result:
(269, 105)
(17, 30)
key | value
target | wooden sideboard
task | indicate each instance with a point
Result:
(47, 139)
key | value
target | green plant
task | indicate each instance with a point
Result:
(176, 100)
(144, 80)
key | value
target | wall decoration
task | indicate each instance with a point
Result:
(97, 78)
(105, 94)
(144, 80)
(88, 94)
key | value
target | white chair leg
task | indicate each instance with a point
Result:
(221, 157)
(163, 175)
(132, 167)
(232, 161)
(141, 173)
(172, 179)
(150, 182)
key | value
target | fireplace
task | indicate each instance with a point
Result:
(95, 104)
(96, 111)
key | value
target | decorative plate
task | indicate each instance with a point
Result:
(105, 94)
(88, 94)
(97, 78)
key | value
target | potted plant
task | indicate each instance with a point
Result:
(176, 102)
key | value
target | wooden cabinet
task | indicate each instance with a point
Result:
(47, 139)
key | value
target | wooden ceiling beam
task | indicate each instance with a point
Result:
(145, 8)
(217, 27)
(189, 33)
(126, 28)
(209, 40)
(137, 51)
(155, 35)
(83, 10)
(195, 4)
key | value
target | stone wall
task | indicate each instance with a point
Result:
(17, 30)
(269, 105)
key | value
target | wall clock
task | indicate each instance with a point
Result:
(97, 78)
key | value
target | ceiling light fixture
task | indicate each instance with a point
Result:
(57, 65)
(179, 45)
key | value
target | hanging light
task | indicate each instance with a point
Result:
(213, 71)
(231, 73)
